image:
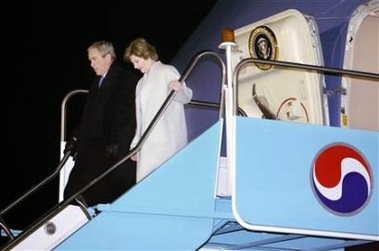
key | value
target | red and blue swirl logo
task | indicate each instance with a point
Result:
(342, 179)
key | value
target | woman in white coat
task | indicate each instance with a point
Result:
(170, 133)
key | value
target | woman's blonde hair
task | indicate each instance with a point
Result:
(140, 47)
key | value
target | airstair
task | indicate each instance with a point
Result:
(287, 186)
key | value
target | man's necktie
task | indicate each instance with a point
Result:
(101, 81)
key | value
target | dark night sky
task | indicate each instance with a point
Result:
(48, 44)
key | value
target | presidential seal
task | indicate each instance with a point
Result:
(263, 45)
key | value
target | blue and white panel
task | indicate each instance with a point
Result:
(306, 179)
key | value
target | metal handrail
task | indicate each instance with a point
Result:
(156, 119)
(299, 66)
(64, 108)
(60, 206)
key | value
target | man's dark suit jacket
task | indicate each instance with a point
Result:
(108, 119)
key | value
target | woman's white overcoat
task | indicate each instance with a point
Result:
(170, 133)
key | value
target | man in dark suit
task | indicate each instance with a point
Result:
(105, 131)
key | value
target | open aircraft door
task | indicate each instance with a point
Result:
(274, 92)
(359, 104)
